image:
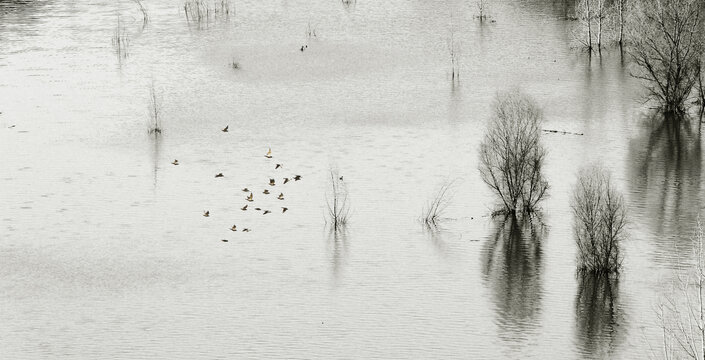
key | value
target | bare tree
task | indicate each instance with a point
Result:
(337, 201)
(511, 154)
(155, 126)
(121, 40)
(434, 209)
(600, 217)
(454, 52)
(667, 50)
(621, 20)
(593, 15)
(482, 8)
(681, 314)
(584, 14)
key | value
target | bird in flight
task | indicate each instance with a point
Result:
(225, 129)
(219, 175)
(175, 162)
(206, 213)
(269, 154)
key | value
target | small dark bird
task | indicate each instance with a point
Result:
(265, 191)
(297, 177)
(250, 198)
(281, 196)
(224, 240)
(234, 228)
(278, 166)
(225, 129)
(207, 213)
(246, 190)
(284, 209)
(258, 209)
(286, 180)
(269, 154)
(341, 178)
(245, 230)
(302, 48)
(266, 212)
(271, 182)
(244, 208)
(11, 126)
(175, 162)
(219, 175)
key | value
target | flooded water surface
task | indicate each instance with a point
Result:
(105, 252)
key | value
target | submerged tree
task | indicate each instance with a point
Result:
(511, 154)
(337, 201)
(667, 50)
(592, 15)
(454, 52)
(155, 125)
(600, 217)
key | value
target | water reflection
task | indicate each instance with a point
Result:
(598, 315)
(338, 250)
(512, 271)
(665, 169)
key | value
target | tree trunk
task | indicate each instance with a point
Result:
(589, 24)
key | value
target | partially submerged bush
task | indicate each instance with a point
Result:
(337, 201)
(155, 125)
(202, 12)
(511, 155)
(667, 50)
(600, 219)
(434, 209)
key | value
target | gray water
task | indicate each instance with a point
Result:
(104, 252)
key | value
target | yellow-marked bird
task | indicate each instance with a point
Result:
(251, 198)
(281, 196)
(234, 228)
(269, 154)
(206, 213)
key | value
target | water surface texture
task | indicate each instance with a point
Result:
(104, 252)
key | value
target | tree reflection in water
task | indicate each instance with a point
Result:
(338, 249)
(666, 189)
(512, 271)
(598, 315)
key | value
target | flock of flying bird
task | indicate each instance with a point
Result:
(250, 198)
